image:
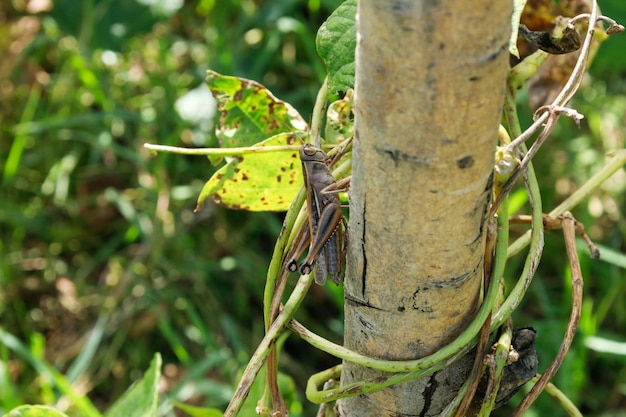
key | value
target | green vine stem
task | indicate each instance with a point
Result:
(261, 352)
(276, 327)
(498, 362)
(534, 253)
(558, 395)
(318, 113)
(276, 263)
(536, 232)
(618, 160)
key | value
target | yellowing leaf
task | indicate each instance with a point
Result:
(339, 120)
(258, 181)
(249, 113)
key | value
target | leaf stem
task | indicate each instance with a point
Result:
(220, 151)
(318, 113)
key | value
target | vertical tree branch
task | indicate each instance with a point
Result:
(430, 81)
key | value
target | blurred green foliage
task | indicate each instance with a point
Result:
(103, 262)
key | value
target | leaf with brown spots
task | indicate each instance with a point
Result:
(339, 120)
(258, 181)
(249, 113)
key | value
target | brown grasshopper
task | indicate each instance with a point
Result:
(327, 231)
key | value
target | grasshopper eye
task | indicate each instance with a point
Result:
(309, 150)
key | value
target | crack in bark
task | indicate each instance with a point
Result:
(362, 303)
(456, 280)
(363, 252)
(428, 393)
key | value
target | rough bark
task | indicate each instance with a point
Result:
(430, 79)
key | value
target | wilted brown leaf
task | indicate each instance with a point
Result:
(545, 15)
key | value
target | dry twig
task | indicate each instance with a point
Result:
(569, 233)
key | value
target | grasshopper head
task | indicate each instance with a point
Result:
(309, 152)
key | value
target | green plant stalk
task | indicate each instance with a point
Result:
(261, 352)
(83, 406)
(276, 262)
(343, 169)
(536, 232)
(275, 268)
(318, 110)
(534, 253)
(558, 395)
(501, 355)
(526, 69)
(501, 252)
(617, 161)
(263, 404)
(413, 369)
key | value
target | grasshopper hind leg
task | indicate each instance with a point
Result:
(320, 270)
(333, 251)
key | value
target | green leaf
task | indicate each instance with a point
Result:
(249, 112)
(339, 122)
(34, 411)
(198, 411)
(336, 43)
(141, 400)
(258, 181)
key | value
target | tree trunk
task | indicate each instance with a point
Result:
(430, 79)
